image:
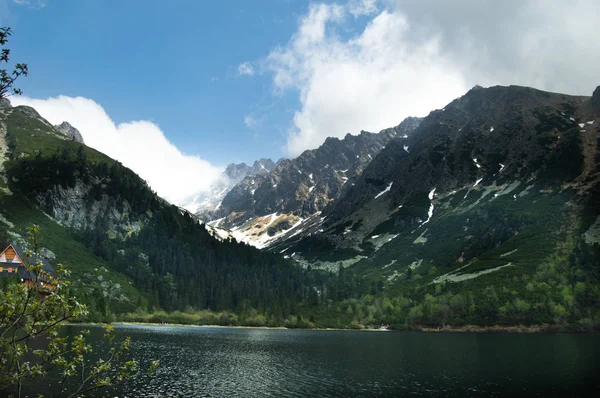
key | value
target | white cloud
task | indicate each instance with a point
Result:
(547, 45)
(416, 56)
(31, 3)
(250, 121)
(362, 7)
(245, 69)
(139, 145)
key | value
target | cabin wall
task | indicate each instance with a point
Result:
(5, 268)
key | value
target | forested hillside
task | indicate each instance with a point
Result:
(129, 249)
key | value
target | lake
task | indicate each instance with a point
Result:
(254, 362)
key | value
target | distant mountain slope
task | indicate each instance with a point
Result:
(259, 209)
(205, 203)
(498, 183)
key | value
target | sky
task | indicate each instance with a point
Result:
(178, 89)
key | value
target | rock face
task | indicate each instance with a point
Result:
(47, 253)
(205, 203)
(69, 131)
(71, 206)
(4, 103)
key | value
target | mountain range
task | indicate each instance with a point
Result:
(498, 177)
(485, 211)
(263, 208)
(499, 189)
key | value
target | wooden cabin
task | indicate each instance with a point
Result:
(15, 262)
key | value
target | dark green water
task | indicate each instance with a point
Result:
(230, 362)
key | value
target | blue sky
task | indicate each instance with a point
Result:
(172, 62)
(178, 89)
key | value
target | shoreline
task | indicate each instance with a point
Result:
(419, 329)
(486, 329)
(522, 329)
(125, 323)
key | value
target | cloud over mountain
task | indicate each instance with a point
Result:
(414, 56)
(139, 145)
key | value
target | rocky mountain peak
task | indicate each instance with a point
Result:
(28, 111)
(332, 140)
(69, 131)
(205, 203)
(408, 124)
(262, 166)
(237, 171)
(596, 99)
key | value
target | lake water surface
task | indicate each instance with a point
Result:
(230, 362)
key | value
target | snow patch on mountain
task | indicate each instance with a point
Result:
(387, 189)
(454, 277)
(431, 207)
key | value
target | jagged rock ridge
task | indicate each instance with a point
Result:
(261, 208)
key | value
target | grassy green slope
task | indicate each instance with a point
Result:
(476, 229)
(29, 136)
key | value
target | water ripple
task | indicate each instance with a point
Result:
(235, 362)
